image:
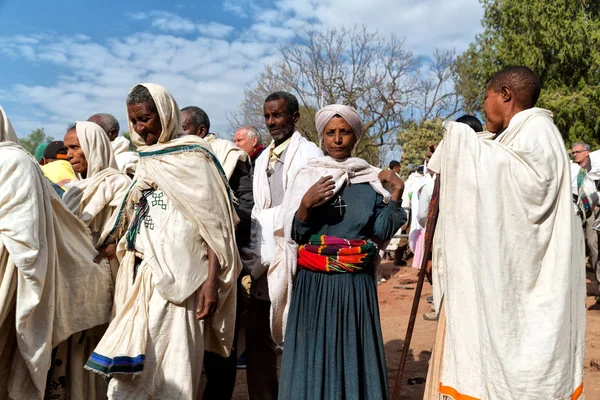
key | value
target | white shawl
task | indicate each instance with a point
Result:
(227, 153)
(185, 169)
(126, 160)
(47, 271)
(283, 267)
(297, 155)
(96, 199)
(120, 145)
(509, 255)
(7, 133)
(594, 173)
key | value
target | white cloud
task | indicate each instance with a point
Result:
(169, 22)
(426, 24)
(215, 29)
(236, 7)
(100, 77)
(137, 16)
(206, 63)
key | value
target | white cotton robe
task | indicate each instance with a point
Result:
(7, 133)
(508, 252)
(153, 347)
(264, 215)
(96, 200)
(126, 160)
(50, 287)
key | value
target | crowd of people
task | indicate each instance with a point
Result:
(124, 273)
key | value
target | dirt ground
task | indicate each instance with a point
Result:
(395, 300)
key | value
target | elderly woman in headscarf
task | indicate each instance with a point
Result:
(99, 189)
(175, 290)
(95, 197)
(321, 282)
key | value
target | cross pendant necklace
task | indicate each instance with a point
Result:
(339, 203)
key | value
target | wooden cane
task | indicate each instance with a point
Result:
(434, 209)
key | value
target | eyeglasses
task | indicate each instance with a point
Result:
(579, 151)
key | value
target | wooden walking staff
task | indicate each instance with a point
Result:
(434, 209)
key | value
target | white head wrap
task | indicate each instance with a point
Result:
(96, 147)
(168, 111)
(349, 114)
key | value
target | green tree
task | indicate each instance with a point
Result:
(34, 139)
(414, 140)
(559, 40)
(372, 73)
(345, 66)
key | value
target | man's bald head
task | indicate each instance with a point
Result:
(509, 92)
(107, 122)
(523, 82)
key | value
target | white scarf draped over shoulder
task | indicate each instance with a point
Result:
(47, 273)
(264, 214)
(126, 160)
(227, 153)
(509, 255)
(120, 145)
(283, 267)
(96, 199)
(186, 170)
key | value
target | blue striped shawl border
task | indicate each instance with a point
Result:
(118, 365)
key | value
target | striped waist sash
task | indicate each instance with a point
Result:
(331, 254)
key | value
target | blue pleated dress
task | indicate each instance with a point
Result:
(333, 346)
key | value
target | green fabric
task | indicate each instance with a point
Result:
(333, 344)
(365, 216)
(39, 151)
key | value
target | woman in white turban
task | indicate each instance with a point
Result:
(321, 283)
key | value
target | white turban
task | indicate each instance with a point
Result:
(349, 114)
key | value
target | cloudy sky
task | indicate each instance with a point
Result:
(65, 60)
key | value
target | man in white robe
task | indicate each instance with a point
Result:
(126, 159)
(46, 254)
(275, 168)
(509, 254)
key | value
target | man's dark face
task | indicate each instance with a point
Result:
(279, 121)
(189, 128)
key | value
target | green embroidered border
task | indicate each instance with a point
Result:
(120, 215)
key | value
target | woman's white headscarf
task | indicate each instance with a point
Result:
(96, 147)
(96, 198)
(349, 114)
(7, 133)
(168, 111)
